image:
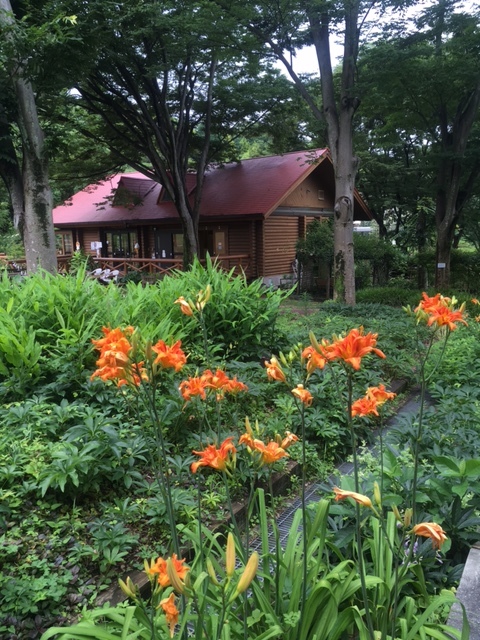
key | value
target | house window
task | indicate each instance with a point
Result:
(178, 245)
(121, 244)
(64, 243)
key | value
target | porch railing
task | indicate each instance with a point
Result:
(150, 268)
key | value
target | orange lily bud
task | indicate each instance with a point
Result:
(174, 578)
(431, 530)
(340, 494)
(185, 306)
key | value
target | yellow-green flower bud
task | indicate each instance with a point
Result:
(248, 574)
(148, 351)
(128, 588)
(314, 341)
(396, 513)
(208, 293)
(376, 494)
(211, 572)
(230, 556)
(407, 518)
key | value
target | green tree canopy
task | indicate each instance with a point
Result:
(173, 87)
(421, 103)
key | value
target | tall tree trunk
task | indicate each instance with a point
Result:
(12, 176)
(443, 255)
(37, 224)
(422, 272)
(37, 227)
(339, 118)
(344, 267)
(454, 138)
(190, 235)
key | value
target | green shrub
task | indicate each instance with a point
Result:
(394, 296)
(464, 268)
(375, 259)
(240, 319)
(48, 322)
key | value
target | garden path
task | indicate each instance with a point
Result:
(469, 589)
(316, 491)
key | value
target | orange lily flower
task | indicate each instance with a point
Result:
(114, 362)
(314, 359)
(428, 304)
(269, 453)
(380, 394)
(303, 395)
(193, 387)
(235, 386)
(215, 458)
(431, 530)
(274, 370)
(171, 612)
(352, 348)
(475, 301)
(248, 440)
(364, 407)
(113, 338)
(442, 316)
(185, 307)
(340, 494)
(169, 356)
(439, 310)
(217, 380)
(159, 568)
(374, 398)
(288, 440)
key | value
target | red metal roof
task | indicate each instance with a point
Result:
(253, 187)
(258, 185)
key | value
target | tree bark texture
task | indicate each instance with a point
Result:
(449, 200)
(37, 224)
(37, 228)
(11, 173)
(339, 117)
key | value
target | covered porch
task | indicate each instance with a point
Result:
(150, 269)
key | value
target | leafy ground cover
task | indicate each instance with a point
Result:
(80, 503)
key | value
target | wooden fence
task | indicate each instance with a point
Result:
(148, 268)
